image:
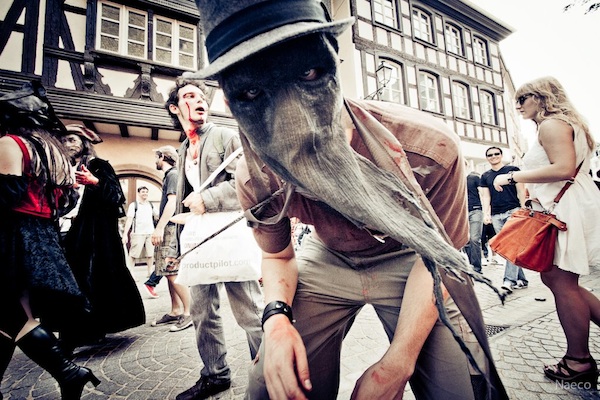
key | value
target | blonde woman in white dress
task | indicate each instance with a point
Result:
(563, 143)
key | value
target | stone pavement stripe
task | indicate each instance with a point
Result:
(154, 364)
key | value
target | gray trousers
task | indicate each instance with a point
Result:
(332, 289)
(245, 299)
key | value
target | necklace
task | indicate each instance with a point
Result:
(193, 151)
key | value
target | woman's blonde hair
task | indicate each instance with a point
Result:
(553, 102)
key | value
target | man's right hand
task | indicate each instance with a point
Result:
(172, 263)
(157, 236)
(285, 361)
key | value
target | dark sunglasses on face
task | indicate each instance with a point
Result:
(492, 154)
(522, 99)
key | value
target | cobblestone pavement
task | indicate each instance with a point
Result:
(153, 363)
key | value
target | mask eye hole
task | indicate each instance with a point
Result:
(310, 75)
(249, 94)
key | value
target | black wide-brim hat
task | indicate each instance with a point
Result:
(29, 107)
(236, 30)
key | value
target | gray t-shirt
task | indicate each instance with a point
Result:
(169, 187)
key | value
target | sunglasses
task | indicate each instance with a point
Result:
(493, 154)
(522, 99)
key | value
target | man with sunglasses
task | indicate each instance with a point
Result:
(498, 207)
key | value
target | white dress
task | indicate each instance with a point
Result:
(578, 248)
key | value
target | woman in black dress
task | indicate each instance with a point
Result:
(36, 186)
(94, 248)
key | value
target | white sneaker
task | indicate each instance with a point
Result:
(508, 286)
(521, 285)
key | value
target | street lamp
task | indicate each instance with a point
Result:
(384, 71)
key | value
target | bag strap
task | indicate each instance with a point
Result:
(134, 216)
(568, 184)
(220, 168)
(25, 151)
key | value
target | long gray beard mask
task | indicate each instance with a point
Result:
(288, 105)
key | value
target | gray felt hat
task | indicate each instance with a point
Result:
(235, 30)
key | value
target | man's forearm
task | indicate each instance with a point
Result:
(418, 315)
(280, 276)
(168, 212)
(486, 205)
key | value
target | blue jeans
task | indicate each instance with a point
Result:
(512, 273)
(245, 299)
(473, 248)
(153, 279)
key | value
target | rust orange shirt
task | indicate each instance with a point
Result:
(433, 152)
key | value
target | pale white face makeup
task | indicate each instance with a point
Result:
(73, 144)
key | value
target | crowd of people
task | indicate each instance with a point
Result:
(340, 203)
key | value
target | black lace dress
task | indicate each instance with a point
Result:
(32, 260)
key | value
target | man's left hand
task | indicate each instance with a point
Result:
(157, 237)
(195, 203)
(380, 382)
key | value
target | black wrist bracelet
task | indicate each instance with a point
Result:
(277, 307)
(511, 180)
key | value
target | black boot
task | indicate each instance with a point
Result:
(43, 348)
(7, 348)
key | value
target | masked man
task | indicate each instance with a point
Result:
(345, 168)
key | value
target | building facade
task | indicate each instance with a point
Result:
(439, 56)
(110, 64)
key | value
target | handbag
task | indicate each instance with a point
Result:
(230, 256)
(212, 255)
(528, 238)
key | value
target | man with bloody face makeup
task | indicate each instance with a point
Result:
(380, 232)
(202, 152)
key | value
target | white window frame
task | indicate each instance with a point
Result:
(385, 12)
(429, 92)
(488, 108)
(123, 38)
(460, 93)
(422, 25)
(175, 39)
(480, 51)
(454, 39)
(394, 89)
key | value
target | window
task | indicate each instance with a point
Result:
(488, 108)
(122, 30)
(384, 12)
(429, 92)
(393, 90)
(453, 39)
(461, 100)
(480, 52)
(422, 25)
(175, 43)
